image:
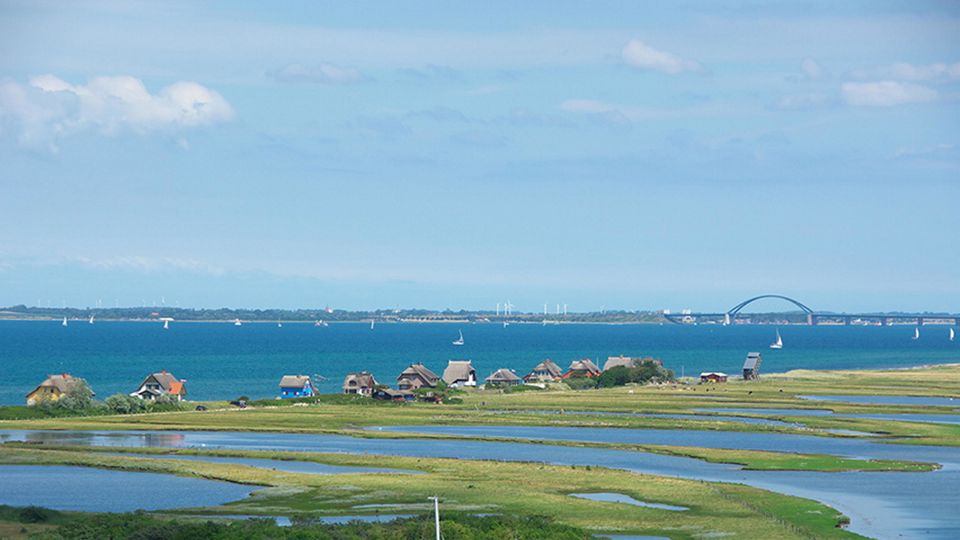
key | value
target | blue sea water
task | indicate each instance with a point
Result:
(222, 361)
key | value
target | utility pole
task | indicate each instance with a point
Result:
(436, 514)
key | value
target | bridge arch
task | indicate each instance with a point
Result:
(736, 309)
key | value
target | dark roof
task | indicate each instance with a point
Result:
(294, 381)
(502, 375)
(584, 365)
(166, 380)
(550, 367)
(753, 361)
(418, 369)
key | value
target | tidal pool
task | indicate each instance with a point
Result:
(880, 505)
(905, 417)
(625, 499)
(888, 400)
(86, 489)
(308, 467)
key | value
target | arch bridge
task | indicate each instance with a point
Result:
(735, 314)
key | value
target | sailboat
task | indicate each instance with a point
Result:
(916, 333)
(237, 322)
(64, 321)
(279, 325)
(505, 324)
(91, 319)
(952, 334)
(460, 340)
(166, 325)
(778, 343)
(373, 323)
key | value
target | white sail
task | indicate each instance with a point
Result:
(460, 340)
(952, 334)
(372, 323)
(166, 325)
(916, 333)
(91, 319)
(64, 321)
(237, 322)
(778, 343)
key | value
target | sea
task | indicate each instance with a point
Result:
(223, 361)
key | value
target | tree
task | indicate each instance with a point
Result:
(77, 395)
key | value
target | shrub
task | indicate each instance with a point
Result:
(581, 383)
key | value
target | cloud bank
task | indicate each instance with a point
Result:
(48, 108)
(640, 55)
(885, 93)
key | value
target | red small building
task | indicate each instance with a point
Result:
(713, 376)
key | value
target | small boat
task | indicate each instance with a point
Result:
(279, 325)
(91, 319)
(64, 321)
(318, 323)
(916, 333)
(373, 323)
(778, 343)
(952, 334)
(460, 340)
(237, 322)
(166, 325)
(505, 324)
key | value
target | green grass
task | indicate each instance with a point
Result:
(487, 487)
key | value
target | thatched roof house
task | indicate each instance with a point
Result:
(545, 371)
(417, 376)
(51, 389)
(628, 361)
(460, 373)
(362, 383)
(503, 376)
(582, 368)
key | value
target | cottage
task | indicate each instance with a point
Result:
(627, 361)
(545, 371)
(460, 373)
(389, 394)
(417, 376)
(713, 377)
(159, 384)
(51, 389)
(503, 377)
(751, 367)
(294, 386)
(361, 383)
(582, 368)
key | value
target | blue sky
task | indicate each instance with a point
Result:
(635, 155)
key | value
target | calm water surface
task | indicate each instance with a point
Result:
(221, 361)
(86, 489)
(881, 505)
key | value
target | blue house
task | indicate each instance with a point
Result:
(294, 386)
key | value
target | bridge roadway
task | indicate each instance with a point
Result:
(813, 317)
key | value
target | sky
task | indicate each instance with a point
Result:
(446, 154)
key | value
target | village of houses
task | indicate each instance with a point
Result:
(458, 374)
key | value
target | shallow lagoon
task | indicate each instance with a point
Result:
(880, 505)
(87, 489)
(304, 467)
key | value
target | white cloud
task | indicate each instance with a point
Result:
(914, 72)
(319, 74)
(885, 93)
(811, 68)
(640, 55)
(591, 106)
(49, 107)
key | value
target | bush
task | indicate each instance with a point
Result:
(581, 383)
(78, 395)
(647, 371)
(124, 404)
